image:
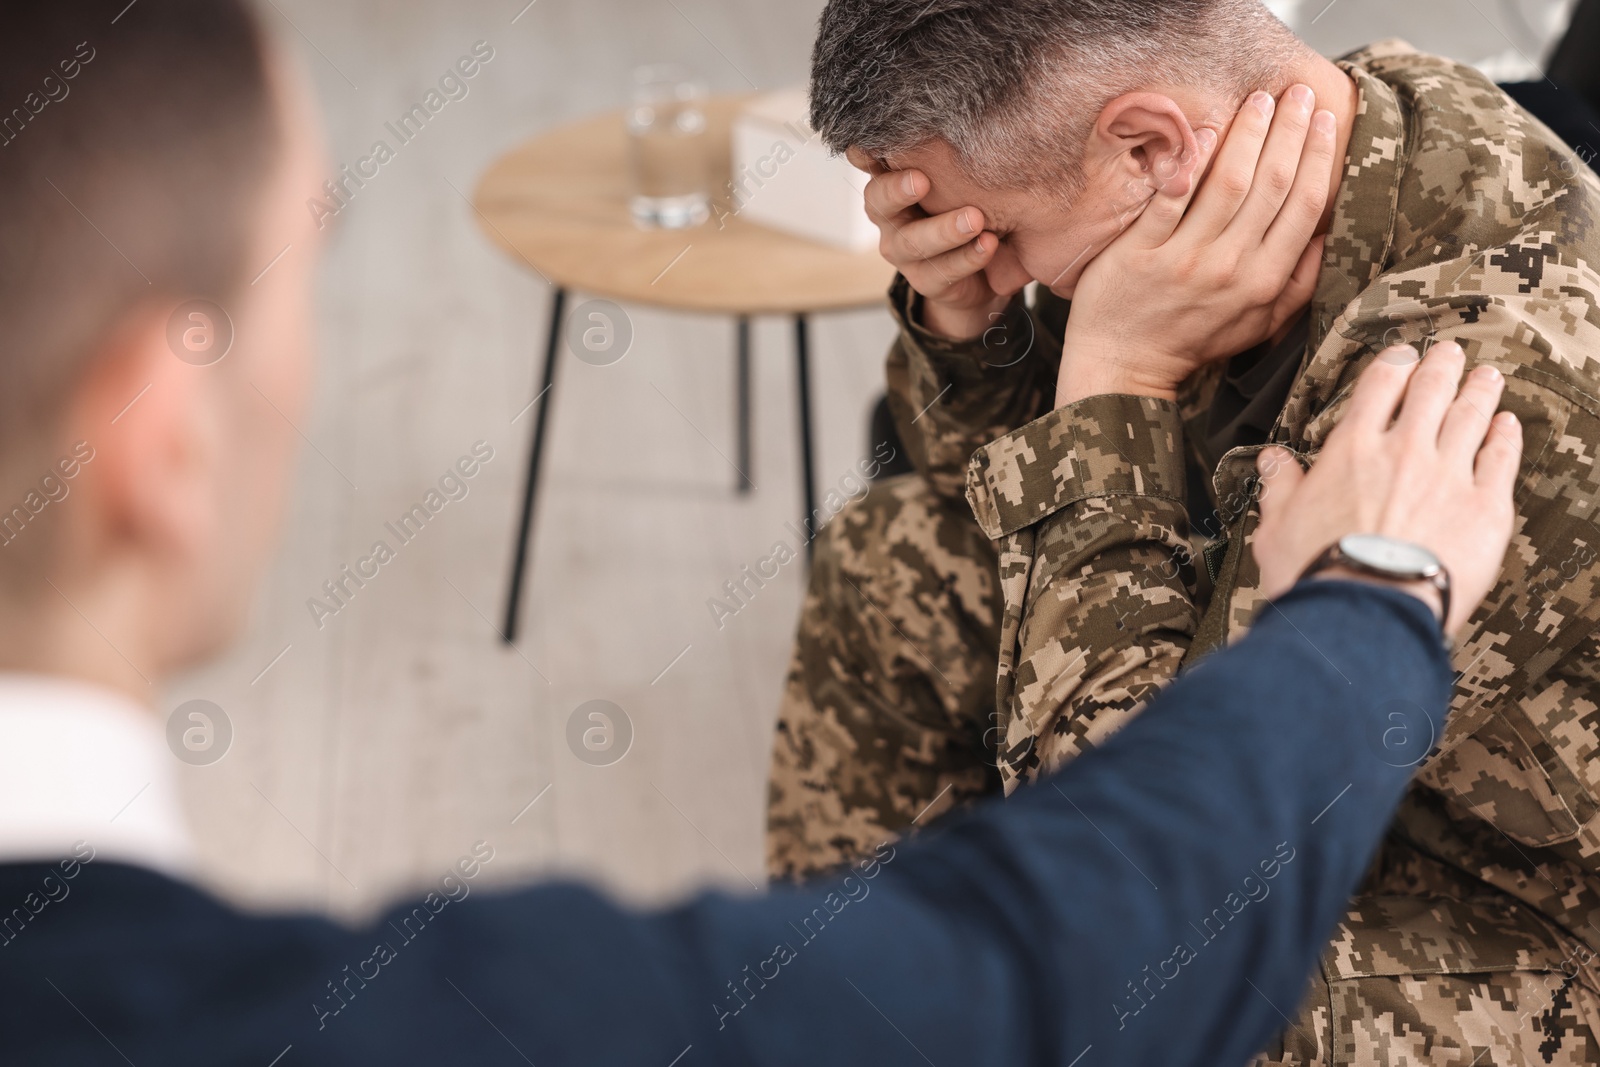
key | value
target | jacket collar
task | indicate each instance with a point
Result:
(1361, 237)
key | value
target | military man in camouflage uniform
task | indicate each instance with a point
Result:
(1112, 547)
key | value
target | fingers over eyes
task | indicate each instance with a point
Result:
(936, 275)
(892, 193)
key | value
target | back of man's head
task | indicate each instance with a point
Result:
(1014, 86)
(134, 141)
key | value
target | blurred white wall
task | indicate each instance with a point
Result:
(1506, 39)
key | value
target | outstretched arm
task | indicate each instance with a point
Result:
(1121, 910)
(1157, 902)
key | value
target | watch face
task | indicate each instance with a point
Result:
(1389, 556)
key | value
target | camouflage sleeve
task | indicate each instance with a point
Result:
(1527, 699)
(1095, 572)
(1522, 749)
(949, 398)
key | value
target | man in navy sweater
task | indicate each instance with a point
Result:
(1161, 902)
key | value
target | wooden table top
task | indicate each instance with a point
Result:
(558, 202)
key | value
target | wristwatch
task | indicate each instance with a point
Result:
(1389, 558)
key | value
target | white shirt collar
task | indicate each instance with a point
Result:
(79, 763)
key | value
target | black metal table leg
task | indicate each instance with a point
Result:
(542, 402)
(802, 362)
(742, 388)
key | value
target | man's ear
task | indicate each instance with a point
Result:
(153, 423)
(1148, 136)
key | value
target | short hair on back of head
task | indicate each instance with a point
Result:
(135, 143)
(1015, 86)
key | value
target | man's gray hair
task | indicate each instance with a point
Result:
(1015, 86)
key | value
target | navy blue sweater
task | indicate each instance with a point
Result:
(1160, 902)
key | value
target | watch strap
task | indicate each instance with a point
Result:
(1334, 556)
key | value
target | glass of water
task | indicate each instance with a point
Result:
(668, 150)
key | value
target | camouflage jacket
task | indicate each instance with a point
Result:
(1459, 217)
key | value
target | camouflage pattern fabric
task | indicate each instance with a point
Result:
(1458, 217)
(891, 690)
(1424, 1019)
(1430, 967)
(889, 703)
(949, 398)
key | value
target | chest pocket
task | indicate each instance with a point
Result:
(1507, 773)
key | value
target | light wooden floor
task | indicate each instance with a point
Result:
(371, 753)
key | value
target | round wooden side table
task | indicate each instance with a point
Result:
(558, 203)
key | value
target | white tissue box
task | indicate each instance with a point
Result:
(784, 177)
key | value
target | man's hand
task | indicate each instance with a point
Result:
(942, 256)
(1440, 476)
(1186, 284)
